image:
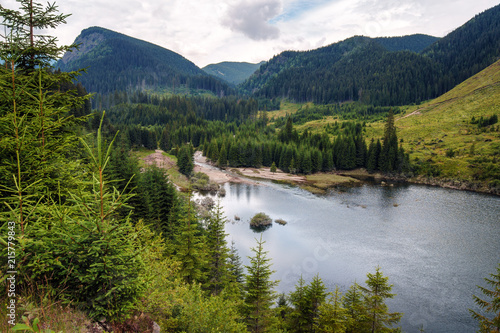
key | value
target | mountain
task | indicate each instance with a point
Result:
(232, 72)
(116, 62)
(457, 136)
(468, 49)
(358, 68)
(416, 43)
(381, 71)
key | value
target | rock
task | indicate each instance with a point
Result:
(280, 221)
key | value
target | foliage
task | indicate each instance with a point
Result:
(259, 291)
(376, 292)
(492, 306)
(117, 62)
(260, 220)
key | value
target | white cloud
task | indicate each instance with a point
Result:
(252, 18)
(254, 30)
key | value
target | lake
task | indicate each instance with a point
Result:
(434, 244)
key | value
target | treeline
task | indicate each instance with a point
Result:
(381, 71)
(309, 153)
(116, 62)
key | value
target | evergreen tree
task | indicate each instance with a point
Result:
(185, 160)
(334, 317)
(259, 291)
(354, 302)
(489, 323)
(315, 295)
(297, 319)
(191, 248)
(218, 253)
(273, 167)
(235, 269)
(222, 161)
(376, 292)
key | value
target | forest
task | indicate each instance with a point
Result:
(88, 238)
(381, 71)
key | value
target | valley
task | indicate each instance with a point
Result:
(142, 193)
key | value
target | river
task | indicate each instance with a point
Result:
(434, 244)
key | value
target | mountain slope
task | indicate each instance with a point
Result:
(379, 70)
(232, 72)
(358, 68)
(468, 49)
(416, 43)
(447, 138)
(118, 62)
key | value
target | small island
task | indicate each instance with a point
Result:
(261, 221)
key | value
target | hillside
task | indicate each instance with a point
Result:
(449, 137)
(232, 72)
(116, 62)
(358, 68)
(382, 71)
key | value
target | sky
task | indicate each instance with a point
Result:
(206, 31)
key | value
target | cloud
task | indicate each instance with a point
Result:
(252, 18)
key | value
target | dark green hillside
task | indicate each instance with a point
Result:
(416, 43)
(382, 71)
(116, 62)
(232, 72)
(468, 49)
(358, 68)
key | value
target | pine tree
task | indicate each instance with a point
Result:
(376, 292)
(489, 323)
(259, 291)
(222, 161)
(297, 319)
(334, 317)
(191, 248)
(185, 160)
(354, 303)
(273, 167)
(315, 295)
(218, 253)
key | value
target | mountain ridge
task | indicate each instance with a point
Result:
(232, 71)
(117, 62)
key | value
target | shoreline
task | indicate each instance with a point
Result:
(318, 183)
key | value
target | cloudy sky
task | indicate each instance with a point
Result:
(206, 31)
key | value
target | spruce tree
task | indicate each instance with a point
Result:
(354, 302)
(191, 249)
(218, 253)
(376, 292)
(489, 323)
(315, 294)
(334, 317)
(259, 291)
(297, 319)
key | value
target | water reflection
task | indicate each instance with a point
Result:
(435, 244)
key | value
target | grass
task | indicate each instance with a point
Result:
(173, 173)
(320, 182)
(444, 124)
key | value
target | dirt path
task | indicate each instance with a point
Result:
(159, 159)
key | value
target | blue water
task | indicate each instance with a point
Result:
(435, 244)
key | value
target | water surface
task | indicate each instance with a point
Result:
(435, 244)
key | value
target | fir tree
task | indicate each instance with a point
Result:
(489, 323)
(259, 291)
(297, 319)
(191, 248)
(334, 317)
(218, 253)
(273, 167)
(376, 292)
(353, 301)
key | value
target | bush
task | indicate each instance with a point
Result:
(260, 220)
